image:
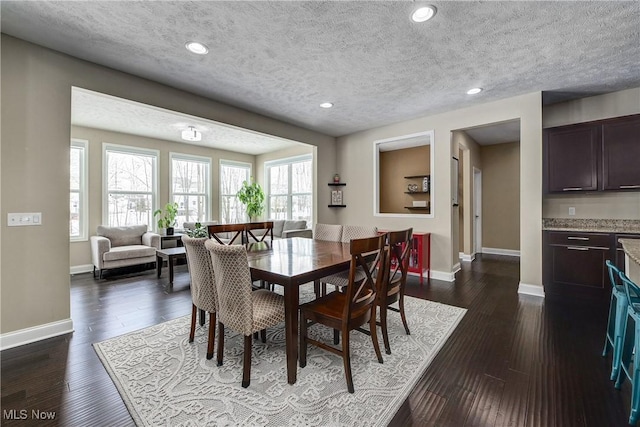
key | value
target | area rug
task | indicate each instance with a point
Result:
(165, 380)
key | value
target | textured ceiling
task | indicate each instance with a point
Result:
(282, 59)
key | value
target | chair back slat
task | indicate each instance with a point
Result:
(237, 238)
(266, 225)
(399, 250)
(366, 255)
(632, 290)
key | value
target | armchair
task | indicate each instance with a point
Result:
(114, 247)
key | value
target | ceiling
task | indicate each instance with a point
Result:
(282, 59)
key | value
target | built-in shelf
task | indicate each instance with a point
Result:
(337, 206)
(416, 176)
(335, 184)
(417, 208)
(416, 192)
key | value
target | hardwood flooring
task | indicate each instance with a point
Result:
(514, 360)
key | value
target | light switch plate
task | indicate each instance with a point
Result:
(24, 219)
(572, 211)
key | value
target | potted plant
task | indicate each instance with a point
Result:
(199, 231)
(252, 196)
(167, 217)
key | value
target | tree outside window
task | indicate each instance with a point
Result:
(232, 174)
(190, 187)
(290, 189)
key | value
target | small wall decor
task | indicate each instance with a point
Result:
(412, 188)
(336, 178)
(425, 184)
(336, 197)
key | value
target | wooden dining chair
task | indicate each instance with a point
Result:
(394, 280)
(253, 237)
(239, 308)
(203, 292)
(234, 233)
(349, 310)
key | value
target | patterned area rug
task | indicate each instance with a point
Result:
(165, 380)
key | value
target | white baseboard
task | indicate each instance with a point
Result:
(527, 289)
(438, 275)
(35, 333)
(456, 268)
(467, 258)
(77, 269)
(498, 251)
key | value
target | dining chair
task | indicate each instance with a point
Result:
(203, 292)
(228, 238)
(617, 318)
(327, 232)
(394, 280)
(267, 226)
(349, 310)
(239, 308)
(630, 357)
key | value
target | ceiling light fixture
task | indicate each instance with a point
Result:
(197, 48)
(326, 105)
(423, 13)
(191, 134)
(474, 91)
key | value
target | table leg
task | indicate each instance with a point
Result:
(170, 261)
(159, 265)
(291, 301)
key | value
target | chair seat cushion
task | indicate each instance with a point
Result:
(342, 279)
(268, 309)
(128, 252)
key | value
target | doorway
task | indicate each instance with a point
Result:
(477, 211)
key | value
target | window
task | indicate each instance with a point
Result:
(232, 174)
(130, 185)
(289, 184)
(78, 209)
(190, 187)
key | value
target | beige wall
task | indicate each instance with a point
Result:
(394, 166)
(609, 205)
(36, 115)
(355, 160)
(500, 196)
(80, 254)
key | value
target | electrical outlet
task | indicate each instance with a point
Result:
(572, 211)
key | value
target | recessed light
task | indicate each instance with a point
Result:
(423, 13)
(197, 48)
(474, 91)
(326, 105)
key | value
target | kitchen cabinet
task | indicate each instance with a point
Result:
(574, 264)
(594, 156)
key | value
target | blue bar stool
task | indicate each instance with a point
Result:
(631, 347)
(617, 317)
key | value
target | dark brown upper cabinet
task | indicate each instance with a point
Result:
(594, 156)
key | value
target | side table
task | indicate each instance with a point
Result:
(170, 254)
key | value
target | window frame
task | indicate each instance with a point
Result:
(83, 215)
(127, 149)
(267, 179)
(236, 163)
(195, 159)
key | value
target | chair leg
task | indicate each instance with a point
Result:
(627, 352)
(635, 383)
(402, 315)
(101, 271)
(94, 271)
(336, 336)
(374, 334)
(246, 369)
(212, 333)
(620, 307)
(610, 326)
(383, 326)
(263, 336)
(303, 341)
(316, 288)
(220, 342)
(192, 332)
(346, 359)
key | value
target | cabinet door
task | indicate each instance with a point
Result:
(579, 265)
(621, 154)
(571, 158)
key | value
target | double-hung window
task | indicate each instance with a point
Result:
(78, 207)
(232, 174)
(130, 185)
(289, 184)
(190, 187)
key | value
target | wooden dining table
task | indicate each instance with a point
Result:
(291, 263)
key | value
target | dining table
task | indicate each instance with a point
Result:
(291, 263)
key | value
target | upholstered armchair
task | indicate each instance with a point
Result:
(114, 247)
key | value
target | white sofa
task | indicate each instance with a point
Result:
(284, 229)
(114, 247)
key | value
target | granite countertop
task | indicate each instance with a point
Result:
(592, 225)
(632, 248)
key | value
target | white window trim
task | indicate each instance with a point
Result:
(195, 159)
(83, 190)
(287, 161)
(224, 162)
(106, 146)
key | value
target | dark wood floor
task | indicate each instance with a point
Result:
(514, 360)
